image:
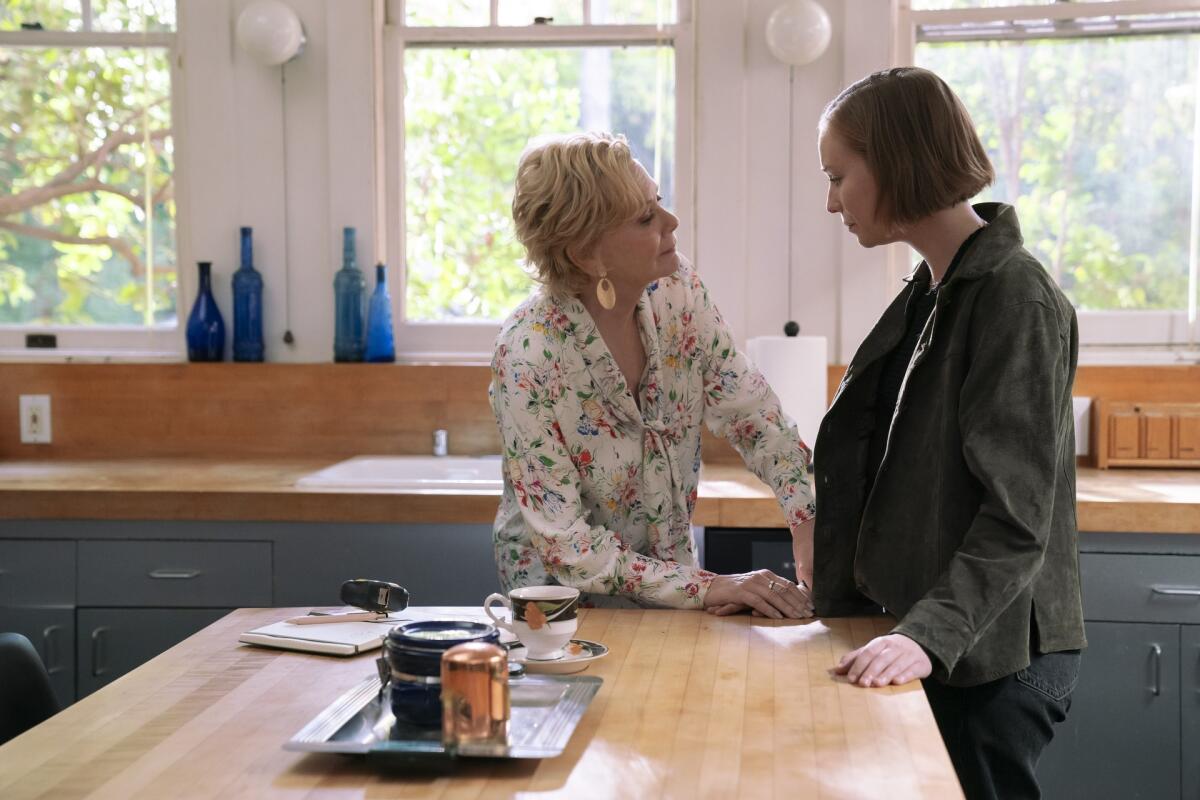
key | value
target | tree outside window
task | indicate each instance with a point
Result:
(87, 211)
(1092, 142)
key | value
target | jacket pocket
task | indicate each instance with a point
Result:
(1052, 674)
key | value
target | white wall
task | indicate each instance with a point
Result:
(231, 166)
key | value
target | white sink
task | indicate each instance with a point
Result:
(457, 474)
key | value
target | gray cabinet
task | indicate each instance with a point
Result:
(52, 632)
(98, 598)
(1189, 685)
(173, 574)
(36, 573)
(113, 641)
(37, 599)
(1134, 726)
(1122, 737)
(139, 597)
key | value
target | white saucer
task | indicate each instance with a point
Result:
(591, 651)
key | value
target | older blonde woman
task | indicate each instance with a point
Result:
(601, 381)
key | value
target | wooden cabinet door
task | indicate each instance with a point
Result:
(1122, 737)
(1187, 437)
(1156, 436)
(1123, 435)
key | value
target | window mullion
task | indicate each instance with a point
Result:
(85, 39)
(1057, 11)
(538, 35)
(494, 13)
(1193, 290)
(86, 13)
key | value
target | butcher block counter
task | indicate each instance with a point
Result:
(692, 706)
(1117, 500)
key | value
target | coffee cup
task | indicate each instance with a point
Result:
(543, 618)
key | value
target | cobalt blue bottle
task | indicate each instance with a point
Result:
(205, 328)
(247, 306)
(380, 345)
(350, 305)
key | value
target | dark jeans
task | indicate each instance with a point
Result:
(996, 732)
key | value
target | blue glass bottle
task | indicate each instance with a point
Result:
(205, 327)
(380, 344)
(247, 306)
(350, 305)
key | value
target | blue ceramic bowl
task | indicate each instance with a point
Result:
(414, 655)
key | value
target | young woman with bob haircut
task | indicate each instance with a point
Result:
(601, 382)
(945, 467)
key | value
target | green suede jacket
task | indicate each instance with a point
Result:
(968, 536)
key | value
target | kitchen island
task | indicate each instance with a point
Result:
(692, 706)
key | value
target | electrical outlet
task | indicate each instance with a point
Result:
(35, 419)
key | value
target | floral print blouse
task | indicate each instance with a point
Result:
(598, 494)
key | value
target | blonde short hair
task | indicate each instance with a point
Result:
(571, 189)
(917, 139)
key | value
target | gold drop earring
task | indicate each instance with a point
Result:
(605, 292)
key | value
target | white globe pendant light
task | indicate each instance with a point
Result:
(270, 32)
(798, 32)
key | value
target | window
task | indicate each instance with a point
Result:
(470, 83)
(87, 214)
(1089, 113)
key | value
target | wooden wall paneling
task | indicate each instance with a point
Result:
(339, 410)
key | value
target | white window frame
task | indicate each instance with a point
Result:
(473, 341)
(108, 342)
(1131, 336)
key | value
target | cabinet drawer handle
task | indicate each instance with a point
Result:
(1156, 654)
(98, 637)
(174, 574)
(1189, 591)
(50, 648)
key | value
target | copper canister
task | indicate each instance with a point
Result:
(475, 704)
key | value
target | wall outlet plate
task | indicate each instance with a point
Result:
(35, 419)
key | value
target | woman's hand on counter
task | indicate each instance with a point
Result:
(891, 659)
(761, 591)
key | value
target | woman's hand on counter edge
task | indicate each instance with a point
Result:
(885, 660)
(731, 594)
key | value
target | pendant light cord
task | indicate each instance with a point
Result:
(791, 180)
(288, 338)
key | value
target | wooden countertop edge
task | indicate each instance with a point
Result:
(249, 490)
(266, 506)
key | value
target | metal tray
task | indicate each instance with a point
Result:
(545, 711)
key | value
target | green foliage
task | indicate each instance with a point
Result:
(1092, 141)
(85, 135)
(469, 113)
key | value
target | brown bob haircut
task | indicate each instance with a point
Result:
(917, 139)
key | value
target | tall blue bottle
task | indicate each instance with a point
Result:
(247, 306)
(205, 327)
(350, 305)
(380, 344)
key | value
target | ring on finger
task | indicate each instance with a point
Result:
(775, 586)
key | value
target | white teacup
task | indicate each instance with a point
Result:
(560, 606)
